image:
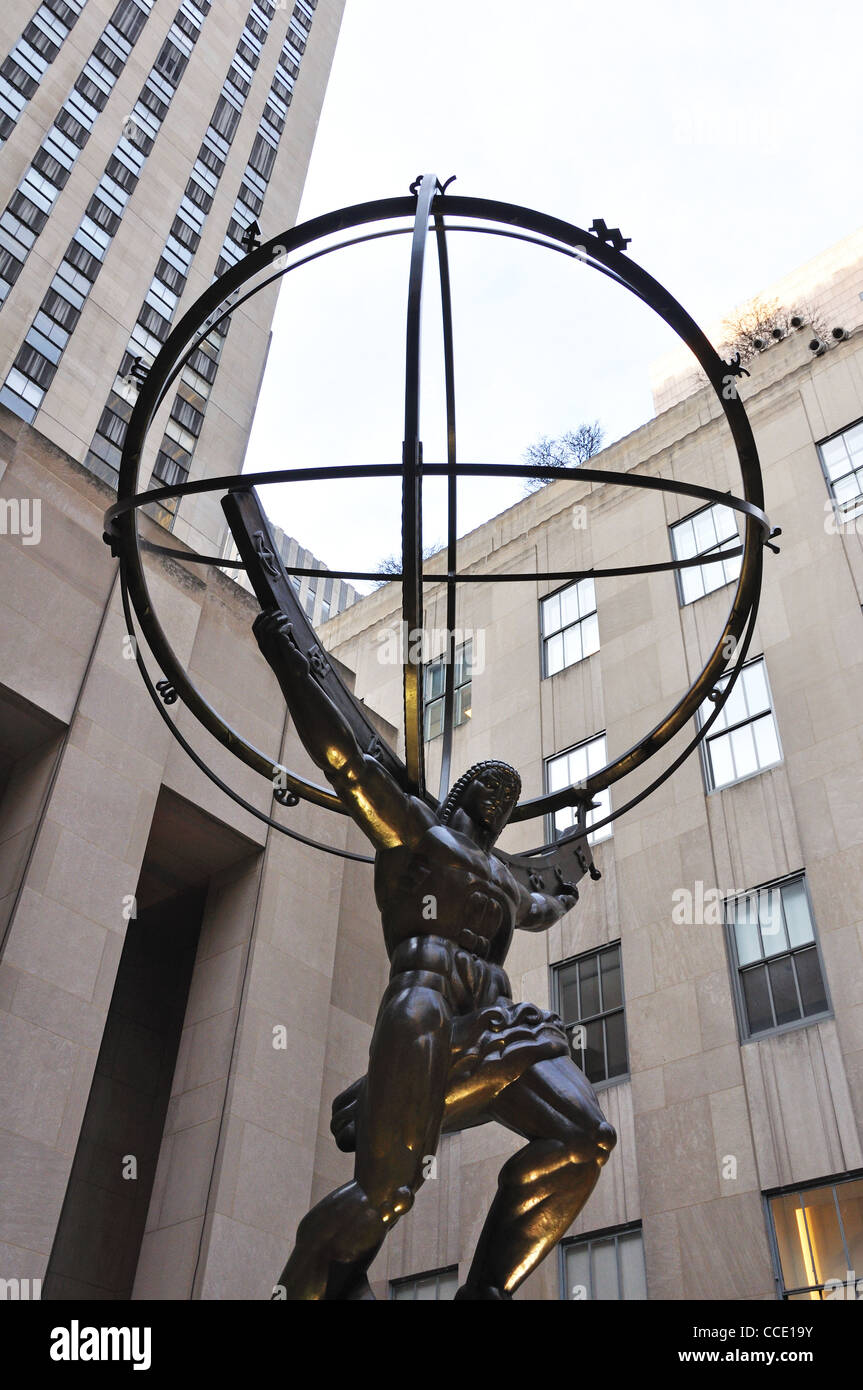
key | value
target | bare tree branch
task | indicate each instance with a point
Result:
(572, 448)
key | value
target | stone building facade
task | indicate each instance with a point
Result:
(184, 991)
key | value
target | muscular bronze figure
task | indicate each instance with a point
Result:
(450, 1048)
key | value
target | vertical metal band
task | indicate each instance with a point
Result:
(452, 492)
(412, 536)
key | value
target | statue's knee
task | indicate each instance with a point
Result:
(591, 1143)
(395, 1206)
(606, 1138)
(342, 1223)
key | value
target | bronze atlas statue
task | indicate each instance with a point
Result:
(451, 1048)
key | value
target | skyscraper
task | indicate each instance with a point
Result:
(141, 141)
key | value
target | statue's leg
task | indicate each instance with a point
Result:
(398, 1128)
(544, 1186)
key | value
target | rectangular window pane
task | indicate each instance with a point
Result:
(785, 1004)
(797, 917)
(753, 680)
(590, 635)
(577, 1271)
(572, 645)
(604, 1269)
(630, 1255)
(734, 710)
(569, 605)
(594, 1052)
(713, 576)
(705, 531)
(810, 982)
(578, 766)
(683, 540)
(612, 996)
(691, 584)
(850, 1195)
(568, 993)
(588, 978)
(746, 937)
(550, 608)
(759, 1015)
(554, 654)
(766, 742)
(743, 751)
(825, 1237)
(721, 761)
(615, 1046)
(434, 719)
(558, 773)
(771, 921)
(462, 704)
(792, 1239)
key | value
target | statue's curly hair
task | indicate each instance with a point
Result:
(507, 774)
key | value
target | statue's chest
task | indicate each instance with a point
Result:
(466, 884)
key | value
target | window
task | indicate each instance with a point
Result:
(93, 238)
(21, 396)
(225, 119)
(573, 769)
(28, 59)
(842, 461)
(439, 1284)
(129, 18)
(588, 995)
(570, 629)
(744, 740)
(109, 192)
(817, 1238)
(161, 298)
(710, 530)
(606, 1266)
(157, 93)
(214, 150)
(96, 81)
(170, 63)
(262, 158)
(776, 963)
(82, 112)
(185, 414)
(187, 212)
(83, 260)
(434, 682)
(39, 190)
(11, 102)
(148, 124)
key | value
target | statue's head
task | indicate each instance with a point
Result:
(488, 792)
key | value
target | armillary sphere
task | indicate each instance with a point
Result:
(429, 209)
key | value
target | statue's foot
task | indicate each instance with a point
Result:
(485, 1292)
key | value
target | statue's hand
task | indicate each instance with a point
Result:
(275, 637)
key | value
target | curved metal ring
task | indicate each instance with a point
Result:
(121, 520)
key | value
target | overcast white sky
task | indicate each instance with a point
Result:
(724, 139)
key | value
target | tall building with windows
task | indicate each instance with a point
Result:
(141, 142)
(322, 596)
(183, 986)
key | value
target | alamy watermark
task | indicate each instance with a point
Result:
(837, 524)
(701, 906)
(401, 645)
(21, 516)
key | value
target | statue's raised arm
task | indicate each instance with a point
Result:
(387, 814)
